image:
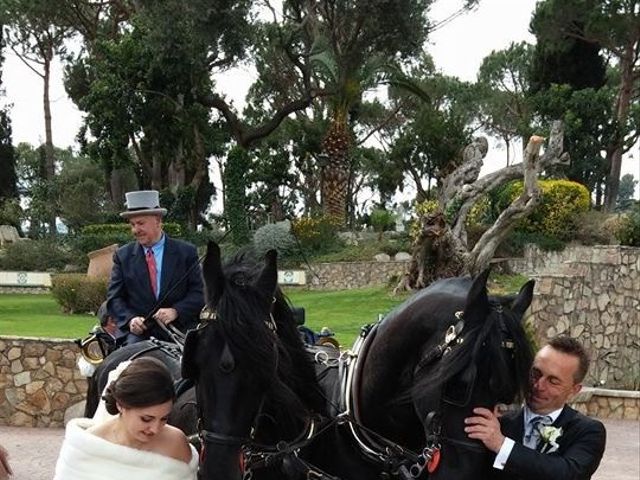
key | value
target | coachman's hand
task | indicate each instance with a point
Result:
(137, 326)
(166, 315)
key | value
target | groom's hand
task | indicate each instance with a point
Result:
(484, 426)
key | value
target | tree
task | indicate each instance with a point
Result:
(441, 248)
(426, 139)
(8, 187)
(354, 42)
(626, 192)
(82, 200)
(503, 83)
(613, 26)
(36, 37)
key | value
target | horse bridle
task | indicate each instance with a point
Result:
(255, 454)
(433, 422)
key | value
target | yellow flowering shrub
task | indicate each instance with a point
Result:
(421, 208)
(555, 216)
(316, 233)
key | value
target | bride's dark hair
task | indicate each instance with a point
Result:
(143, 383)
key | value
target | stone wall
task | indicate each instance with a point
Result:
(347, 275)
(601, 403)
(593, 294)
(39, 381)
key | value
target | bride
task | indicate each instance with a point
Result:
(134, 441)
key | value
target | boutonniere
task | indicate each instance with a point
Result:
(549, 436)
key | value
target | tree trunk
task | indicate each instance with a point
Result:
(50, 160)
(623, 103)
(335, 174)
(441, 249)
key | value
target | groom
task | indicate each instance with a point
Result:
(546, 439)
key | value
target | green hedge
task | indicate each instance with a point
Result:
(77, 293)
(95, 237)
(38, 255)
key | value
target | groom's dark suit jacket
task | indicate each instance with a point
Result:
(130, 295)
(581, 447)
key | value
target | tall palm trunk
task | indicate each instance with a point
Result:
(335, 173)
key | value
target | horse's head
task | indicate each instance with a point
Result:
(486, 359)
(239, 358)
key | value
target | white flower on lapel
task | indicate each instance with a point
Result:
(549, 435)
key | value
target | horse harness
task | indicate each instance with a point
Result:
(257, 455)
(396, 458)
(433, 420)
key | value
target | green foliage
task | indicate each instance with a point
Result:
(628, 232)
(556, 214)
(514, 244)
(82, 198)
(382, 220)
(10, 212)
(317, 234)
(235, 201)
(274, 236)
(626, 191)
(95, 237)
(77, 293)
(426, 207)
(37, 255)
(503, 83)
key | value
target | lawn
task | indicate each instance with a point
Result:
(344, 312)
(40, 316)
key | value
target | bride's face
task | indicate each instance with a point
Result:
(143, 424)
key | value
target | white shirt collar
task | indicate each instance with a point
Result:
(528, 414)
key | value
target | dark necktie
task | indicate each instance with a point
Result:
(532, 433)
(153, 272)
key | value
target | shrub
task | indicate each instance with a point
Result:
(77, 293)
(95, 237)
(628, 231)
(317, 234)
(274, 236)
(381, 220)
(37, 255)
(423, 208)
(556, 216)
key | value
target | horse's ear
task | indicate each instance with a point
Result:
(212, 273)
(268, 279)
(523, 300)
(477, 298)
(188, 366)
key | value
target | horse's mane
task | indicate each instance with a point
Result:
(483, 343)
(285, 372)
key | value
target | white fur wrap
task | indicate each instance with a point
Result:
(84, 456)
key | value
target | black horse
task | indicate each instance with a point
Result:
(418, 374)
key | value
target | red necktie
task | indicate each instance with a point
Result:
(153, 272)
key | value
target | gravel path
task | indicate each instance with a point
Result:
(33, 451)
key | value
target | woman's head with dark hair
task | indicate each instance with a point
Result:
(145, 382)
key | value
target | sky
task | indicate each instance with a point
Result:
(457, 48)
